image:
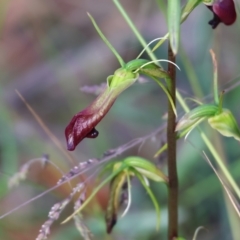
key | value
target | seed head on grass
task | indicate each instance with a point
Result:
(56, 210)
(24, 170)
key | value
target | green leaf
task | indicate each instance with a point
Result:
(153, 70)
(174, 21)
(188, 8)
(135, 64)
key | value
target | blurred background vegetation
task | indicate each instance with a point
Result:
(48, 51)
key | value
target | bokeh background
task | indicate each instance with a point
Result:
(49, 50)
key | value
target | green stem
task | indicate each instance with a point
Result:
(119, 58)
(172, 164)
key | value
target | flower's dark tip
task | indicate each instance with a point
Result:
(92, 134)
(111, 224)
(223, 11)
(215, 21)
(70, 144)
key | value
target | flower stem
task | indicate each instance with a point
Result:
(172, 165)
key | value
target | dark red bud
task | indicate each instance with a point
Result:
(223, 11)
(83, 123)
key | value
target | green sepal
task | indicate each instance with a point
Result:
(226, 124)
(144, 66)
(152, 70)
(146, 169)
(186, 10)
(135, 64)
(113, 203)
(195, 116)
(121, 79)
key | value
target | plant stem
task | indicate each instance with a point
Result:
(172, 164)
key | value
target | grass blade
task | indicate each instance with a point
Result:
(174, 21)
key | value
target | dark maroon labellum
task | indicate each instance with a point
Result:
(223, 11)
(81, 126)
(83, 123)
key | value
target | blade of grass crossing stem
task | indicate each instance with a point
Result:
(174, 14)
(187, 9)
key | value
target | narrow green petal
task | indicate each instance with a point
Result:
(121, 62)
(146, 168)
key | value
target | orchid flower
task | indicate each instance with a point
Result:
(83, 123)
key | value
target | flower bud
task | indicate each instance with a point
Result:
(226, 124)
(83, 123)
(223, 11)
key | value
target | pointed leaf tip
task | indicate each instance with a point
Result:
(174, 21)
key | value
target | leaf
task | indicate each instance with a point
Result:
(174, 21)
(188, 8)
(215, 77)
